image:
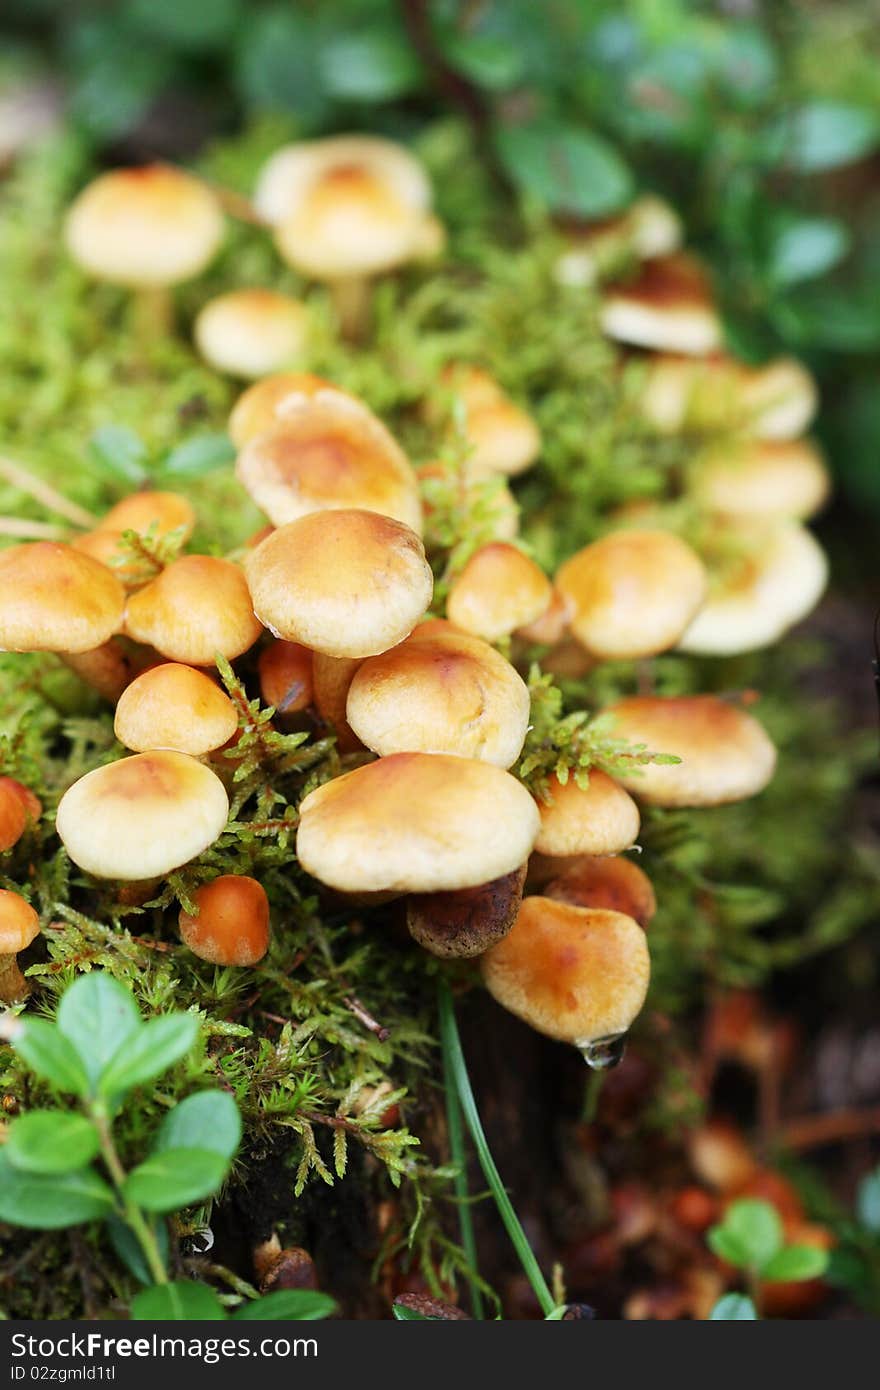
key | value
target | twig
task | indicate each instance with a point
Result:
(355, 1006)
(31, 530)
(43, 492)
(834, 1127)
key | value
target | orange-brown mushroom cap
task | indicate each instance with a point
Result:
(286, 672)
(162, 512)
(262, 405)
(174, 706)
(345, 583)
(54, 598)
(498, 590)
(198, 606)
(502, 436)
(579, 975)
(232, 923)
(19, 923)
(13, 814)
(612, 882)
(668, 306)
(252, 332)
(600, 818)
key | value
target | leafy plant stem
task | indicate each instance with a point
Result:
(132, 1214)
(459, 1157)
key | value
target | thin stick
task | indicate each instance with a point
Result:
(366, 1018)
(834, 1127)
(38, 488)
(31, 530)
(458, 1154)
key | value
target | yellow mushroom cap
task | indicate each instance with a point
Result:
(499, 590)
(249, 333)
(144, 228)
(198, 606)
(725, 753)
(632, 593)
(262, 405)
(612, 882)
(600, 818)
(56, 599)
(774, 401)
(440, 691)
(668, 307)
(575, 974)
(19, 923)
(416, 823)
(161, 512)
(775, 583)
(503, 438)
(345, 583)
(286, 673)
(760, 478)
(329, 452)
(143, 816)
(174, 706)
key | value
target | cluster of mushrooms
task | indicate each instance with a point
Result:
(334, 597)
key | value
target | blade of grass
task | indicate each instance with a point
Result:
(458, 1154)
(457, 1069)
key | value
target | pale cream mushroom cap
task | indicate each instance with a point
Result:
(632, 593)
(777, 582)
(144, 228)
(174, 706)
(668, 307)
(198, 606)
(761, 479)
(498, 590)
(143, 816)
(774, 401)
(440, 691)
(600, 818)
(56, 599)
(290, 174)
(262, 405)
(575, 974)
(250, 333)
(725, 753)
(329, 452)
(345, 583)
(416, 823)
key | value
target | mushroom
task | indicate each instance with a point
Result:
(551, 626)
(440, 691)
(289, 1268)
(332, 677)
(249, 333)
(286, 677)
(326, 452)
(198, 606)
(725, 753)
(18, 807)
(668, 306)
(143, 816)
(346, 209)
(774, 401)
(231, 926)
(576, 974)
(416, 823)
(174, 706)
(502, 437)
(145, 229)
(632, 594)
(498, 590)
(262, 406)
(648, 229)
(720, 1156)
(497, 507)
(762, 479)
(610, 882)
(773, 577)
(19, 925)
(159, 512)
(599, 818)
(345, 583)
(466, 921)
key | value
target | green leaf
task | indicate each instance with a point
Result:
(795, 1262)
(295, 1304)
(490, 60)
(198, 456)
(568, 168)
(208, 1120)
(175, 1178)
(51, 1056)
(404, 1314)
(51, 1141)
(825, 134)
(120, 453)
(182, 1301)
(196, 25)
(277, 64)
(727, 1247)
(750, 1234)
(157, 1045)
(803, 249)
(733, 1307)
(868, 1202)
(47, 1202)
(99, 1017)
(129, 1249)
(369, 66)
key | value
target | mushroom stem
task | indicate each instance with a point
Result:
(106, 669)
(153, 313)
(30, 530)
(13, 985)
(43, 492)
(351, 300)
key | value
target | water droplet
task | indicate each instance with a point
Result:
(601, 1053)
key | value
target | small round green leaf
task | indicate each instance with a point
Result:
(824, 135)
(51, 1056)
(376, 66)
(805, 248)
(868, 1197)
(51, 1202)
(733, 1307)
(181, 1301)
(207, 1120)
(119, 453)
(51, 1141)
(567, 168)
(197, 456)
(295, 1305)
(754, 1227)
(99, 1017)
(794, 1263)
(156, 1046)
(175, 1178)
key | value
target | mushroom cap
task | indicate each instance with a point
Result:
(345, 583)
(762, 479)
(725, 753)
(633, 593)
(145, 227)
(764, 592)
(291, 173)
(668, 307)
(440, 691)
(499, 509)
(198, 606)
(19, 923)
(573, 973)
(499, 590)
(143, 816)
(286, 676)
(600, 818)
(261, 407)
(416, 823)
(648, 229)
(503, 437)
(329, 452)
(163, 512)
(18, 806)
(232, 925)
(612, 882)
(249, 333)
(550, 626)
(174, 706)
(465, 921)
(774, 401)
(56, 599)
